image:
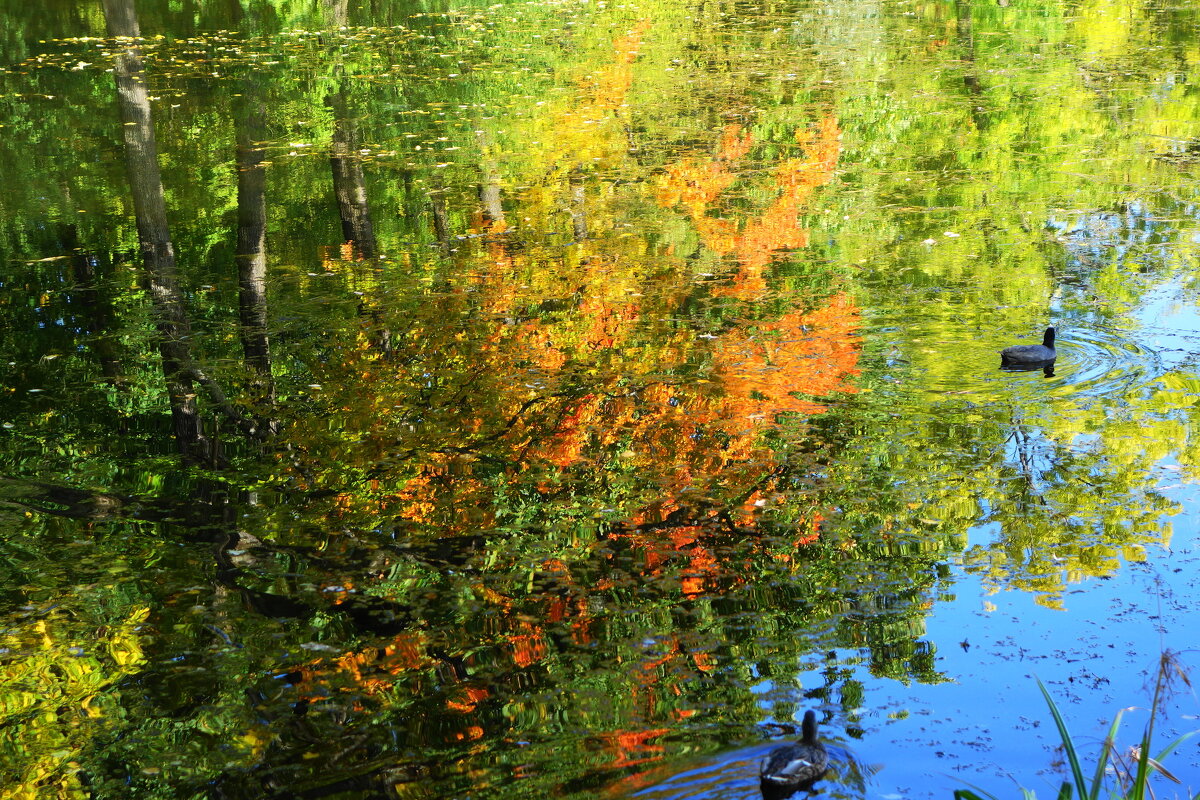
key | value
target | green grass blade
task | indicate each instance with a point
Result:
(1105, 749)
(1141, 778)
(1064, 791)
(974, 793)
(1068, 745)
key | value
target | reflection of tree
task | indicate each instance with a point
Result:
(581, 486)
(490, 195)
(349, 183)
(533, 390)
(533, 395)
(57, 667)
(477, 639)
(158, 253)
(1057, 519)
(697, 184)
(1050, 495)
(251, 254)
(603, 395)
(607, 388)
(180, 369)
(520, 646)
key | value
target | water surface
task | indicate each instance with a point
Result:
(557, 399)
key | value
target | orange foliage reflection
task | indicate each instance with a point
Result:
(696, 185)
(565, 371)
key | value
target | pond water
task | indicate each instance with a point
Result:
(559, 398)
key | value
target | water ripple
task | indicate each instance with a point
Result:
(1095, 362)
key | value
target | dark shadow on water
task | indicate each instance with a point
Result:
(772, 792)
(1047, 367)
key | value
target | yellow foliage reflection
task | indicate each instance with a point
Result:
(57, 691)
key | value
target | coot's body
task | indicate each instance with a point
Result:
(1030, 353)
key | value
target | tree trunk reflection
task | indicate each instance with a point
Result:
(158, 253)
(349, 185)
(251, 255)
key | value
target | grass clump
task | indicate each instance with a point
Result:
(1131, 771)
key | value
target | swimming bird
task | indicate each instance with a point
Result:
(798, 765)
(1030, 353)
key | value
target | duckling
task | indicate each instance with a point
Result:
(798, 765)
(1030, 353)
